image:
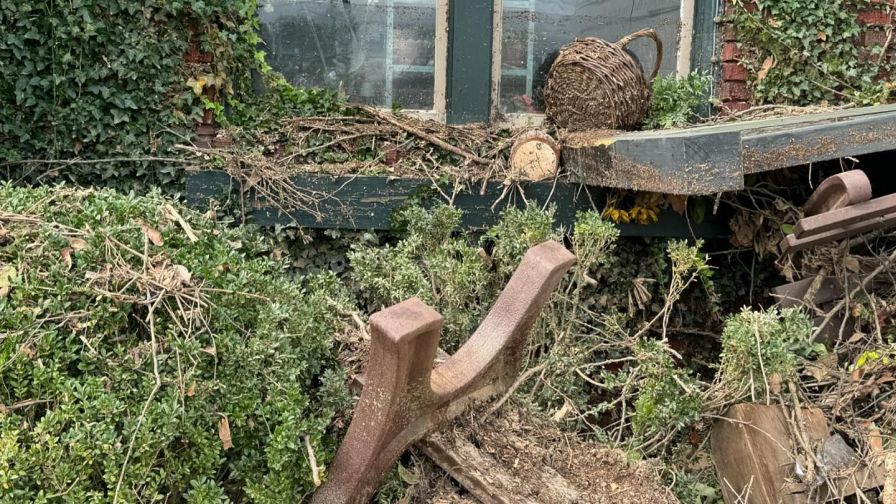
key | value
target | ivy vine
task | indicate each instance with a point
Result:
(802, 52)
(106, 80)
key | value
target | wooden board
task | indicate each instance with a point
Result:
(751, 450)
(716, 158)
(367, 202)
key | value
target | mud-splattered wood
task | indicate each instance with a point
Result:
(405, 398)
(793, 244)
(488, 481)
(672, 163)
(751, 450)
(710, 159)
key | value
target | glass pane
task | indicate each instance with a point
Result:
(379, 52)
(535, 30)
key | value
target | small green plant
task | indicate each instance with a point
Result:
(675, 100)
(761, 350)
(429, 262)
(669, 399)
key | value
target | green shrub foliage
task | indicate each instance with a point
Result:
(445, 269)
(124, 346)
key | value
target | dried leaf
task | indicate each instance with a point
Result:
(856, 337)
(875, 440)
(409, 477)
(774, 383)
(224, 433)
(7, 275)
(678, 203)
(77, 244)
(152, 235)
(823, 367)
(66, 255)
(182, 275)
(486, 259)
(28, 351)
(851, 264)
(767, 65)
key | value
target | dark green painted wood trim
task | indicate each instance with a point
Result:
(705, 40)
(470, 27)
(367, 202)
(705, 43)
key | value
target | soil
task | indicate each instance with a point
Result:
(547, 465)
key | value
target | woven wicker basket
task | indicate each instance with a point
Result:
(594, 84)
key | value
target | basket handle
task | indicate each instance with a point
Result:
(651, 34)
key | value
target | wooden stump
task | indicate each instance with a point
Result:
(534, 156)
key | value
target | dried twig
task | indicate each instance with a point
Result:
(426, 136)
(862, 285)
(312, 460)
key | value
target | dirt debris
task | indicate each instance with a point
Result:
(538, 455)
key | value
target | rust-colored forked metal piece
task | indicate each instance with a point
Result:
(841, 207)
(404, 398)
(838, 191)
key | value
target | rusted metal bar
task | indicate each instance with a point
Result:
(841, 208)
(842, 217)
(404, 398)
(793, 244)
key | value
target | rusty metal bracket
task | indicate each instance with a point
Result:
(841, 207)
(838, 191)
(404, 398)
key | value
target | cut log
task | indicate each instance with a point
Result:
(534, 156)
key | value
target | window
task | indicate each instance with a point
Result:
(379, 52)
(493, 62)
(533, 31)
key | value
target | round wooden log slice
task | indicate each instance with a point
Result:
(534, 156)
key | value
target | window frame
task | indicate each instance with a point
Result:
(685, 54)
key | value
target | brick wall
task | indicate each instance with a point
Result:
(734, 92)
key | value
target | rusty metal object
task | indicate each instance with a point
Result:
(404, 398)
(839, 191)
(840, 209)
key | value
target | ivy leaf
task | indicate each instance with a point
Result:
(197, 84)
